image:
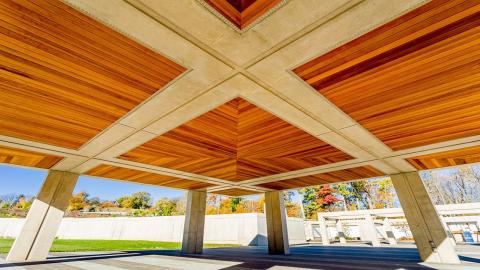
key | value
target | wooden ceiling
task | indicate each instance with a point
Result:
(447, 158)
(65, 77)
(236, 141)
(326, 178)
(27, 158)
(142, 177)
(412, 82)
(242, 12)
(235, 192)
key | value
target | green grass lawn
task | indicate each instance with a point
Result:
(62, 245)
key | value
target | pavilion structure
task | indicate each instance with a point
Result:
(238, 97)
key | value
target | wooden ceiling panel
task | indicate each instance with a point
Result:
(236, 192)
(325, 178)
(412, 82)
(240, 12)
(142, 177)
(65, 77)
(447, 158)
(236, 141)
(27, 158)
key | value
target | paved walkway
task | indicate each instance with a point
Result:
(335, 257)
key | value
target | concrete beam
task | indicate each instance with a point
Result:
(427, 229)
(276, 223)
(193, 230)
(44, 217)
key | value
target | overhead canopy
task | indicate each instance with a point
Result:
(295, 94)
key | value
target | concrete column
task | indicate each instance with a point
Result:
(276, 223)
(323, 230)
(194, 222)
(389, 232)
(432, 241)
(44, 218)
(372, 230)
(341, 234)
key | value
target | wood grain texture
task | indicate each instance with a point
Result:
(65, 77)
(236, 141)
(27, 158)
(242, 13)
(131, 175)
(412, 82)
(447, 158)
(236, 192)
(357, 173)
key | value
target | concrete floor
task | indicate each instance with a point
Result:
(334, 257)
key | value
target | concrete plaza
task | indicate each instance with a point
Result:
(313, 256)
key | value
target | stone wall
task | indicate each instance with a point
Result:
(243, 229)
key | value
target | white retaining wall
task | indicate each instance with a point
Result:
(243, 229)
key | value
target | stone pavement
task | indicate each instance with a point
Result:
(334, 257)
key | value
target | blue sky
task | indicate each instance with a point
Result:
(19, 180)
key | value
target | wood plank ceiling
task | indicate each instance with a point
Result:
(142, 177)
(236, 192)
(65, 77)
(325, 178)
(412, 82)
(236, 141)
(447, 158)
(27, 158)
(242, 13)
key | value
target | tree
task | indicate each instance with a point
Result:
(225, 206)
(235, 203)
(138, 200)
(319, 198)
(165, 207)
(260, 205)
(326, 196)
(78, 201)
(309, 201)
(385, 193)
(23, 203)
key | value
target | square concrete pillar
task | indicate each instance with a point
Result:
(389, 232)
(341, 234)
(372, 230)
(193, 230)
(276, 223)
(44, 218)
(323, 230)
(427, 229)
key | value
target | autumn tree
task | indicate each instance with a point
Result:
(138, 200)
(23, 203)
(78, 201)
(319, 198)
(165, 207)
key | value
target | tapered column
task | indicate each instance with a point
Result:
(44, 218)
(194, 222)
(372, 230)
(432, 241)
(341, 234)
(276, 223)
(389, 232)
(323, 230)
